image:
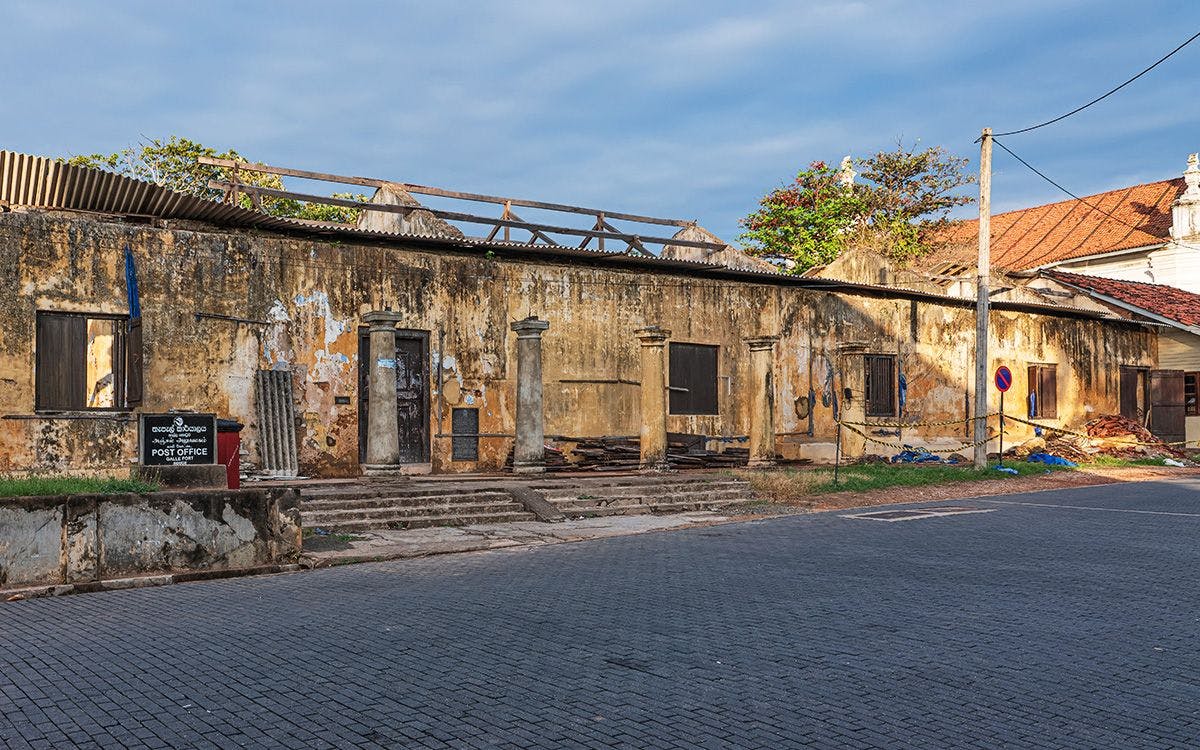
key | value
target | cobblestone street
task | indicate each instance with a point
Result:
(1058, 619)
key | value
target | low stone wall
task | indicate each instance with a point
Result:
(82, 538)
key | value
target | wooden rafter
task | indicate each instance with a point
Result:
(537, 230)
(601, 230)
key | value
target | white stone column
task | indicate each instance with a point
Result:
(529, 455)
(762, 400)
(383, 437)
(653, 438)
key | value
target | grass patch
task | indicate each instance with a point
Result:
(28, 486)
(1113, 461)
(796, 486)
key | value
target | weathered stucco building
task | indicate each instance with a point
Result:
(266, 321)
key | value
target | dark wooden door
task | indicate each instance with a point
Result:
(1134, 394)
(412, 394)
(1167, 409)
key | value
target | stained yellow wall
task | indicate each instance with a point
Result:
(309, 296)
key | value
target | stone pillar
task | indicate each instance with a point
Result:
(654, 398)
(762, 400)
(529, 455)
(383, 438)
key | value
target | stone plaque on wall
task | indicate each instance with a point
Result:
(177, 439)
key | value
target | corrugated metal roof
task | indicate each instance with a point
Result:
(40, 182)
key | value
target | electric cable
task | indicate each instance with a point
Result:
(1105, 95)
(1092, 206)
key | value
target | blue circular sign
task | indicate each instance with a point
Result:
(1003, 378)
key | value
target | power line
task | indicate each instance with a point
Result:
(1092, 206)
(1104, 96)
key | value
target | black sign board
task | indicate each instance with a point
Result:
(177, 439)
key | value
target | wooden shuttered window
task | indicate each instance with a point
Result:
(693, 379)
(1043, 391)
(81, 362)
(464, 426)
(879, 384)
(60, 369)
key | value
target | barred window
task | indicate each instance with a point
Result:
(880, 384)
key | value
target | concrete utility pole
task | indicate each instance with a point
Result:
(981, 298)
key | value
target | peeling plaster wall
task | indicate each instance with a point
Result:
(78, 538)
(303, 301)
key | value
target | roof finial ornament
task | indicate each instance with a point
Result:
(1185, 211)
(846, 173)
(1192, 177)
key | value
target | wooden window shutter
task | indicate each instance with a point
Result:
(1047, 392)
(60, 373)
(133, 363)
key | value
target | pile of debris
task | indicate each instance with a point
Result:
(1110, 435)
(620, 453)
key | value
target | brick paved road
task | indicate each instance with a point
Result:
(1029, 626)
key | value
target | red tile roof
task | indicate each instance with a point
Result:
(1033, 237)
(1157, 299)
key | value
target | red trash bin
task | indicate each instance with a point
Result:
(229, 444)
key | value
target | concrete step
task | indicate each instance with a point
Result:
(643, 480)
(336, 516)
(698, 497)
(642, 490)
(388, 489)
(662, 508)
(424, 521)
(389, 501)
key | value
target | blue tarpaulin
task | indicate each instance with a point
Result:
(915, 456)
(131, 285)
(1050, 460)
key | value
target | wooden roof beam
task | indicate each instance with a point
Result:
(531, 227)
(426, 190)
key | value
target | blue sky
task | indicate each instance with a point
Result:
(690, 109)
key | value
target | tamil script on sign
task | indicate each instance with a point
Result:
(175, 440)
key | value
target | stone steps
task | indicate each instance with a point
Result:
(702, 497)
(382, 489)
(389, 501)
(648, 496)
(405, 506)
(642, 490)
(409, 505)
(406, 521)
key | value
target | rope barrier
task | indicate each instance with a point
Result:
(904, 425)
(1085, 436)
(854, 427)
(909, 446)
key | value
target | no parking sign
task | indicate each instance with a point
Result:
(1003, 383)
(1003, 378)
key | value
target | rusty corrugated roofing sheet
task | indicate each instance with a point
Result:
(40, 182)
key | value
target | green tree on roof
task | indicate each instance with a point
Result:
(899, 209)
(173, 164)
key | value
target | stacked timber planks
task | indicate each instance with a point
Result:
(622, 453)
